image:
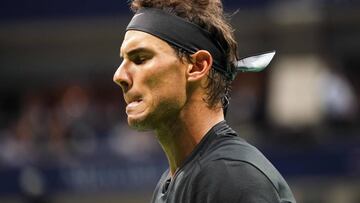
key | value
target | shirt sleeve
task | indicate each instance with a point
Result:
(230, 182)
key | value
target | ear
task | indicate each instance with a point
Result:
(201, 64)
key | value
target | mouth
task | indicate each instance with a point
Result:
(134, 106)
(134, 102)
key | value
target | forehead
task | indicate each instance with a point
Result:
(136, 39)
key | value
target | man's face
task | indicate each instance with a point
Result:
(153, 80)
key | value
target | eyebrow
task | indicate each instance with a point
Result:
(136, 51)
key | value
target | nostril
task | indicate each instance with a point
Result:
(124, 85)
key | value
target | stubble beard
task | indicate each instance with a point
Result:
(165, 115)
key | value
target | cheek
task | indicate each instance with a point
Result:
(170, 73)
(168, 84)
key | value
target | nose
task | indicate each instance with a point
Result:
(122, 77)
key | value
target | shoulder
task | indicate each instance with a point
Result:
(233, 181)
(236, 170)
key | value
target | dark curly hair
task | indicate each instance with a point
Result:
(209, 15)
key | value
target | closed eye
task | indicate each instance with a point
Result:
(138, 60)
(140, 55)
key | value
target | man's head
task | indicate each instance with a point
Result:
(209, 15)
(157, 77)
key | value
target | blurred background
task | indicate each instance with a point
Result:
(63, 131)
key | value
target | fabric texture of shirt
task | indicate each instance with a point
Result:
(223, 168)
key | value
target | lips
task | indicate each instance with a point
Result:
(134, 103)
(135, 106)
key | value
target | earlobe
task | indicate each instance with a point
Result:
(201, 64)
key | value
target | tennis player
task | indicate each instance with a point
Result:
(179, 59)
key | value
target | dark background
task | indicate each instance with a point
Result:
(63, 131)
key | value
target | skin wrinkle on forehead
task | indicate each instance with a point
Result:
(132, 43)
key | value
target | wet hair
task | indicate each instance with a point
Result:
(209, 15)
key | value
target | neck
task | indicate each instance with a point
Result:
(179, 138)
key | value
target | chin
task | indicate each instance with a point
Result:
(140, 123)
(152, 119)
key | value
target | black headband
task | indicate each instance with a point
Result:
(191, 38)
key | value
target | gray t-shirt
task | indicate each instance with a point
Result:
(224, 168)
